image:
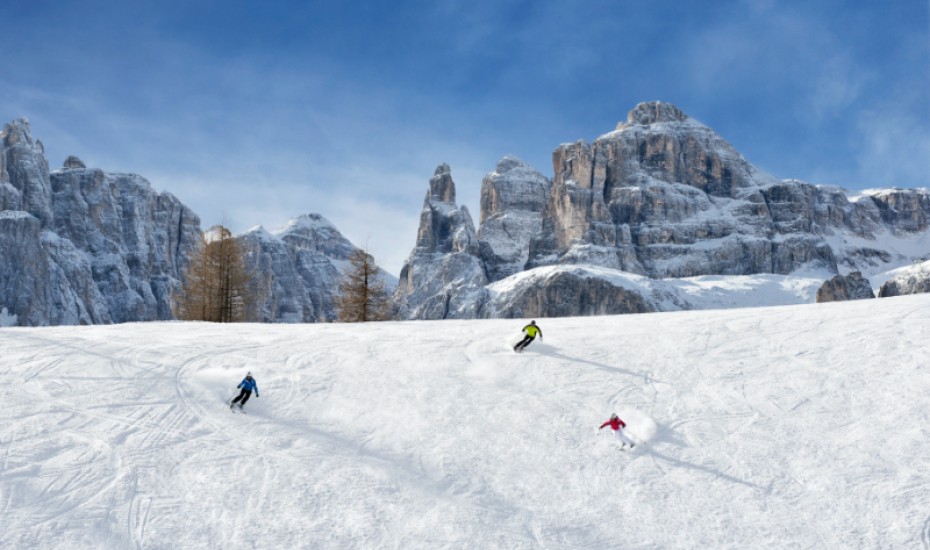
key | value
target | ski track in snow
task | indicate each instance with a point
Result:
(797, 426)
(925, 534)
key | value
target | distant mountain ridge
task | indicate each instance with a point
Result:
(84, 246)
(299, 268)
(662, 196)
(659, 214)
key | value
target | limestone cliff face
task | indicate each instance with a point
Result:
(26, 273)
(84, 246)
(513, 202)
(137, 240)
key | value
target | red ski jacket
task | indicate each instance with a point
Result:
(615, 424)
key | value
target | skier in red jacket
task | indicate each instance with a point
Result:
(617, 426)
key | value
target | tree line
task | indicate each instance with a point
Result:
(218, 286)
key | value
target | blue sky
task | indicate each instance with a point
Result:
(256, 112)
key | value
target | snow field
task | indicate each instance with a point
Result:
(789, 427)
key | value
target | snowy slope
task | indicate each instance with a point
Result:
(782, 427)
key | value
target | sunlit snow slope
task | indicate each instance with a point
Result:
(786, 427)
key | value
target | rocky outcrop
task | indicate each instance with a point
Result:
(444, 276)
(845, 287)
(910, 280)
(565, 293)
(298, 269)
(83, 246)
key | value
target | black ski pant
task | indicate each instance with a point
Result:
(525, 342)
(244, 395)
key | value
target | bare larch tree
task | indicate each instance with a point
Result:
(362, 293)
(216, 284)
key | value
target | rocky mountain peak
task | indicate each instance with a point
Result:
(74, 163)
(509, 163)
(307, 224)
(15, 132)
(651, 112)
(441, 186)
(24, 167)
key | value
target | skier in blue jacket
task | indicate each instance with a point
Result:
(247, 385)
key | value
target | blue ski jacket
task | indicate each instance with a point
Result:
(249, 385)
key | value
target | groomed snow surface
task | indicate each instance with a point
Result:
(783, 427)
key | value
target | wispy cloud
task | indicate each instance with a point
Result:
(258, 115)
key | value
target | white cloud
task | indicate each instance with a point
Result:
(893, 149)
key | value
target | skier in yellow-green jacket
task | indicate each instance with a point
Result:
(531, 331)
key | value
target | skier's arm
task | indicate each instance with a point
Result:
(604, 424)
(256, 391)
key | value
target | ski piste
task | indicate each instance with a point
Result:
(394, 454)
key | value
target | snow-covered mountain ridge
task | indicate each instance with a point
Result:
(787, 427)
(661, 196)
(85, 246)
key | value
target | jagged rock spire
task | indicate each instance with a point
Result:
(443, 273)
(23, 165)
(441, 186)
